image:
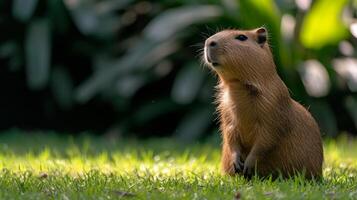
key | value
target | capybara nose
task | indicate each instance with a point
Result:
(211, 51)
(212, 44)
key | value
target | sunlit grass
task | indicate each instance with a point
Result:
(50, 166)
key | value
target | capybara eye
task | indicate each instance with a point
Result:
(241, 37)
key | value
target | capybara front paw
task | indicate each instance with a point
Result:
(237, 163)
(249, 166)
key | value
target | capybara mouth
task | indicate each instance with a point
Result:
(211, 58)
(215, 64)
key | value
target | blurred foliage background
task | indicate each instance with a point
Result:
(132, 68)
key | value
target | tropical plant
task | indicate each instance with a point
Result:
(141, 60)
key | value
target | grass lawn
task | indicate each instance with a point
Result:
(49, 166)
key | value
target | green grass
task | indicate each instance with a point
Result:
(49, 166)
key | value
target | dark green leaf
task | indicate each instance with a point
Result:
(85, 19)
(187, 84)
(103, 78)
(194, 124)
(58, 16)
(126, 86)
(145, 54)
(23, 9)
(38, 53)
(172, 21)
(153, 109)
(62, 87)
(325, 117)
(351, 106)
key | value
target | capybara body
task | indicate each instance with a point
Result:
(264, 130)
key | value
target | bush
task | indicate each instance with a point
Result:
(134, 66)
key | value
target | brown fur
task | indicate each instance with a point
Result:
(261, 124)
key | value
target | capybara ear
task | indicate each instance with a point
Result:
(261, 36)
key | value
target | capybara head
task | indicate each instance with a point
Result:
(239, 53)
